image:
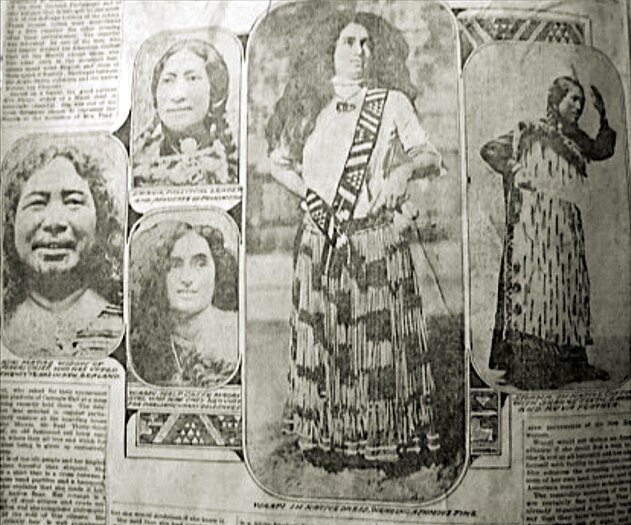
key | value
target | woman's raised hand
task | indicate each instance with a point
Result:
(599, 102)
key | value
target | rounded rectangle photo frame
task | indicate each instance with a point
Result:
(63, 236)
(183, 298)
(185, 119)
(361, 395)
(548, 215)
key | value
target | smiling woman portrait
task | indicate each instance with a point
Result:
(62, 257)
(183, 320)
(187, 140)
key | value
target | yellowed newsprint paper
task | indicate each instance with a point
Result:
(286, 263)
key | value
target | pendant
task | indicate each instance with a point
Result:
(188, 146)
(344, 107)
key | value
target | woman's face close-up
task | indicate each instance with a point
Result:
(190, 279)
(352, 52)
(183, 92)
(571, 107)
(55, 220)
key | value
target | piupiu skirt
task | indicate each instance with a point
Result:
(360, 381)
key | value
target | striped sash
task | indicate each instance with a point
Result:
(354, 172)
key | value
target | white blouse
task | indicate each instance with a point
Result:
(401, 137)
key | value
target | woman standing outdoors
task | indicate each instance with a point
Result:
(346, 139)
(542, 323)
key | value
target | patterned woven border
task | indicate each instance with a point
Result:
(484, 422)
(189, 430)
(480, 27)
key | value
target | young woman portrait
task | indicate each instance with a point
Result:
(364, 391)
(184, 326)
(352, 270)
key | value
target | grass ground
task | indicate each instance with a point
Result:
(279, 465)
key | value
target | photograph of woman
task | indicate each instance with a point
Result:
(542, 324)
(184, 301)
(186, 138)
(63, 244)
(560, 213)
(345, 138)
(355, 211)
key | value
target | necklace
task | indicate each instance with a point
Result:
(344, 91)
(344, 107)
(179, 374)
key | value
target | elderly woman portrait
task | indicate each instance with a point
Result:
(188, 140)
(62, 283)
(543, 317)
(183, 320)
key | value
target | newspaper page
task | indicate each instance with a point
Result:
(310, 262)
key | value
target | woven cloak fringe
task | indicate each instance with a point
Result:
(360, 379)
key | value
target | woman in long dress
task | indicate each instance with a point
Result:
(542, 324)
(346, 139)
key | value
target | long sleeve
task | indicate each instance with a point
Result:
(498, 154)
(413, 137)
(600, 148)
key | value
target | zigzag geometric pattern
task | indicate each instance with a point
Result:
(205, 430)
(354, 172)
(479, 27)
(364, 139)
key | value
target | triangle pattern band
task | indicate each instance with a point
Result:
(356, 165)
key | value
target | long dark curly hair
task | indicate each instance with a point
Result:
(218, 77)
(311, 68)
(101, 268)
(151, 320)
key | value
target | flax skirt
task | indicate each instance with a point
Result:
(360, 382)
